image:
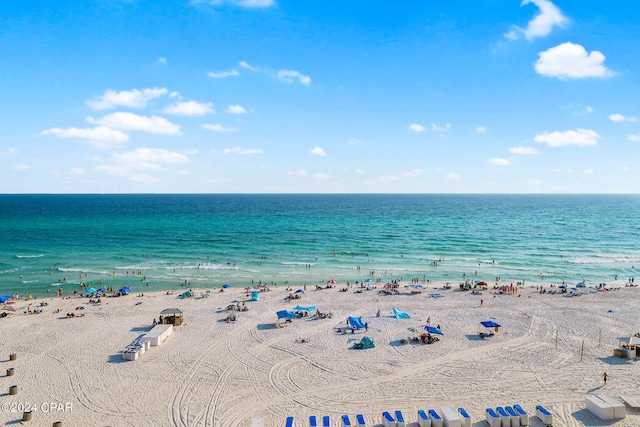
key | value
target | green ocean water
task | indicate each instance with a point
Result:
(159, 242)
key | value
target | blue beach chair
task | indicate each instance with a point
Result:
(436, 420)
(387, 420)
(399, 419)
(513, 416)
(360, 422)
(423, 419)
(466, 419)
(289, 422)
(346, 422)
(326, 421)
(313, 421)
(492, 418)
(524, 417)
(544, 415)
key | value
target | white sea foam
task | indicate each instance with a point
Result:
(30, 256)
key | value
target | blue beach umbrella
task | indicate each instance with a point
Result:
(226, 285)
(299, 291)
(5, 299)
(433, 330)
(490, 324)
(101, 289)
(91, 290)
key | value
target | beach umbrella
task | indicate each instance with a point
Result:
(4, 299)
(299, 291)
(562, 287)
(91, 290)
(368, 281)
(226, 285)
(433, 330)
(101, 289)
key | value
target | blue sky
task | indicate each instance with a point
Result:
(279, 96)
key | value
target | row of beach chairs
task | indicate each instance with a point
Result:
(507, 416)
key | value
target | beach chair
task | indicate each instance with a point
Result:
(505, 420)
(388, 420)
(346, 422)
(313, 421)
(360, 422)
(514, 417)
(436, 420)
(492, 418)
(289, 422)
(464, 417)
(399, 419)
(326, 421)
(524, 417)
(544, 415)
(423, 419)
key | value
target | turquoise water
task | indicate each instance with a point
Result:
(208, 240)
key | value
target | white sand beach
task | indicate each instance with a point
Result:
(251, 373)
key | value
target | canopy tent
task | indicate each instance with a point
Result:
(400, 314)
(255, 296)
(490, 324)
(301, 308)
(171, 316)
(286, 314)
(226, 285)
(356, 322)
(186, 294)
(101, 289)
(124, 290)
(91, 290)
(433, 330)
(4, 299)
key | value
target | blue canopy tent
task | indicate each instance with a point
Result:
(286, 314)
(5, 299)
(255, 296)
(301, 308)
(91, 290)
(490, 324)
(226, 285)
(433, 330)
(365, 342)
(124, 290)
(101, 289)
(356, 322)
(400, 314)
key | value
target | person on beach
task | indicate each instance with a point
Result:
(605, 377)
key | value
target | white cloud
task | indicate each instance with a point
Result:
(453, 176)
(416, 127)
(414, 172)
(297, 173)
(321, 176)
(436, 128)
(621, 118)
(190, 108)
(523, 150)
(9, 151)
(482, 129)
(542, 24)
(222, 74)
(130, 121)
(318, 152)
(626, 168)
(571, 61)
(243, 151)
(388, 178)
(236, 109)
(588, 171)
(76, 171)
(634, 138)
(100, 136)
(245, 65)
(134, 98)
(149, 158)
(579, 137)
(589, 109)
(359, 172)
(218, 128)
(162, 60)
(21, 167)
(499, 162)
(533, 181)
(353, 141)
(290, 76)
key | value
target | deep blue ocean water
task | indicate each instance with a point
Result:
(208, 240)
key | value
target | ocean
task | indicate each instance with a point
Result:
(163, 242)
